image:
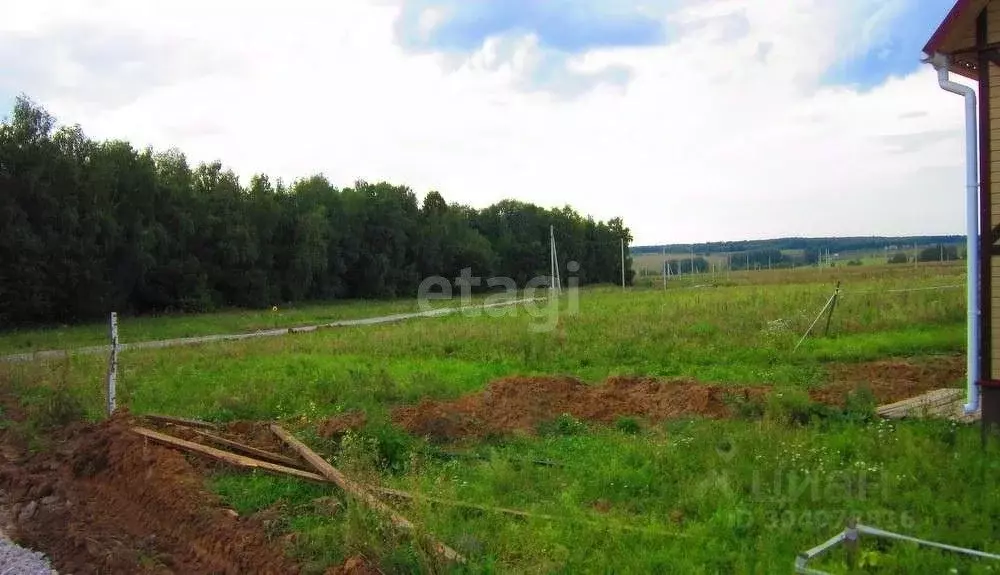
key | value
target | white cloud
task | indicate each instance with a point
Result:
(709, 141)
(429, 19)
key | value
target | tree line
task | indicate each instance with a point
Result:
(88, 227)
(810, 246)
(938, 253)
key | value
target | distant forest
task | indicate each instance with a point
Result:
(90, 227)
(834, 245)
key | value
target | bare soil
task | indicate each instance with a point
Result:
(105, 500)
(341, 424)
(520, 404)
(891, 380)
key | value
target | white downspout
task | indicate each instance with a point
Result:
(940, 63)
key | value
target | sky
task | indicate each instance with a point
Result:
(693, 120)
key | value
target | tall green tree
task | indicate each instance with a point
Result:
(88, 227)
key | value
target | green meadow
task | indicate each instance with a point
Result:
(692, 495)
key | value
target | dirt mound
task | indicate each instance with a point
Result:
(341, 424)
(520, 404)
(107, 501)
(891, 380)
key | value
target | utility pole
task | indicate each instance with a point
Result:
(664, 267)
(552, 258)
(555, 254)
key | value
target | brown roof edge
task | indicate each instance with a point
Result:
(946, 25)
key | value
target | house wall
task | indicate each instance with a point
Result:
(993, 142)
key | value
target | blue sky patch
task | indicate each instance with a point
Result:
(572, 26)
(897, 38)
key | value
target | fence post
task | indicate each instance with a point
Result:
(815, 321)
(851, 543)
(833, 306)
(113, 364)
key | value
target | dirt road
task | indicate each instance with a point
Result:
(61, 353)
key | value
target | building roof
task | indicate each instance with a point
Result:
(956, 37)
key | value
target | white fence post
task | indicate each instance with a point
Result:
(113, 364)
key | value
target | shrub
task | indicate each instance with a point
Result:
(898, 258)
(393, 446)
(565, 424)
(860, 405)
(629, 425)
(61, 408)
(744, 406)
(793, 406)
(380, 446)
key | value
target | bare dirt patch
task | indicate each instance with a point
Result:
(520, 404)
(891, 380)
(104, 500)
(341, 424)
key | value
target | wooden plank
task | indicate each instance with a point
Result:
(926, 398)
(225, 456)
(180, 421)
(926, 401)
(249, 450)
(992, 22)
(994, 74)
(943, 403)
(963, 36)
(358, 491)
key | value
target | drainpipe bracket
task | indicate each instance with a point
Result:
(938, 60)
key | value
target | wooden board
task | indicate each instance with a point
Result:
(939, 403)
(249, 450)
(231, 458)
(179, 421)
(360, 492)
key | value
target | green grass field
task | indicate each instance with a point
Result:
(741, 495)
